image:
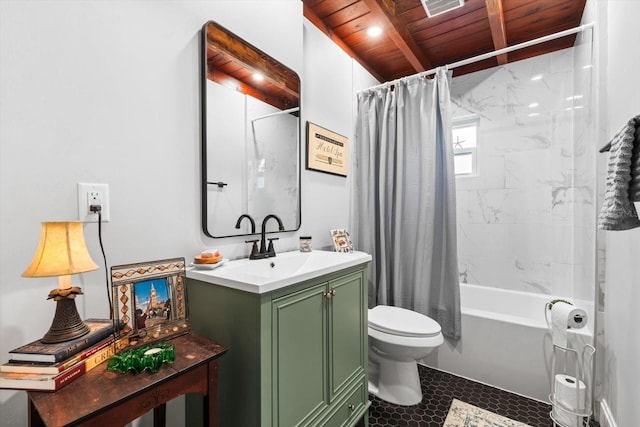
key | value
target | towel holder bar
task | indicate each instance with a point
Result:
(606, 147)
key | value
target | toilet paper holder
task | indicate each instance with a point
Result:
(563, 413)
(578, 318)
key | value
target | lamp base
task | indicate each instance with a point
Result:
(66, 324)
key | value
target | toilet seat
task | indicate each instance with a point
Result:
(402, 322)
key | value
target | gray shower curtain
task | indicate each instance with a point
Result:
(403, 210)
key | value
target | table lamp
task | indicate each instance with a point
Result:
(62, 252)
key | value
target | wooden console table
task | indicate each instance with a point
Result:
(107, 398)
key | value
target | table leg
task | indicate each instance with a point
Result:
(34, 417)
(210, 400)
(160, 415)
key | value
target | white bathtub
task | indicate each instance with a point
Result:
(505, 341)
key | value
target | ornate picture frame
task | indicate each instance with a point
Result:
(150, 299)
(327, 151)
(341, 240)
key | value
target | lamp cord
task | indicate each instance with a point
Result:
(104, 257)
(106, 277)
(98, 210)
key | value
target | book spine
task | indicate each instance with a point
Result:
(43, 368)
(90, 352)
(54, 353)
(69, 375)
(48, 368)
(69, 363)
(85, 355)
(18, 381)
(81, 345)
(96, 348)
(103, 354)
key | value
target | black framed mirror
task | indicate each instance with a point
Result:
(250, 147)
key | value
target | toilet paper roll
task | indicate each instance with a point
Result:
(564, 316)
(569, 394)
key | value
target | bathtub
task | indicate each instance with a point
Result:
(505, 341)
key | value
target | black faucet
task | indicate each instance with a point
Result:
(265, 251)
(253, 223)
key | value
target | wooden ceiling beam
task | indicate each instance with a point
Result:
(322, 26)
(498, 32)
(274, 99)
(395, 27)
(228, 44)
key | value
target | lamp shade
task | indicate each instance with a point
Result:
(61, 251)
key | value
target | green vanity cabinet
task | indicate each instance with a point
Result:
(297, 355)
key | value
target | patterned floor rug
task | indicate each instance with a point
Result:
(464, 415)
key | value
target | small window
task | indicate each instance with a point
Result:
(465, 138)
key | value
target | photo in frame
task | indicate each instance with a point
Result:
(341, 240)
(327, 151)
(149, 298)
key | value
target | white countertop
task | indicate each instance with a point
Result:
(269, 274)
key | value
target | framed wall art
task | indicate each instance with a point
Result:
(327, 151)
(149, 298)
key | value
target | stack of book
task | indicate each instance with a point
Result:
(49, 367)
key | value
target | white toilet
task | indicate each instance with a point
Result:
(398, 338)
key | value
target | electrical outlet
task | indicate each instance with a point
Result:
(96, 195)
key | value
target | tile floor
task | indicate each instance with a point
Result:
(442, 388)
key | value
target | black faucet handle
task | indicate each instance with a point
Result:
(270, 250)
(254, 248)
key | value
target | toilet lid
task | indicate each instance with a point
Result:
(403, 322)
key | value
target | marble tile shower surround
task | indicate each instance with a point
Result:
(256, 173)
(525, 220)
(267, 174)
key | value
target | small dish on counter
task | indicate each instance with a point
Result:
(208, 266)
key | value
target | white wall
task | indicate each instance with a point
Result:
(328, 102)
(619, 62)
(108, 92)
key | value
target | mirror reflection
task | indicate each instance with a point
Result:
(250, 136)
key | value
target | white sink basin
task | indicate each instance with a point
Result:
(288, 268)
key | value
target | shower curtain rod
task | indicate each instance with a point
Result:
(491, 54)
(277, 113)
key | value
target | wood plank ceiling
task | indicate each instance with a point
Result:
(413, 42)
(232, 61)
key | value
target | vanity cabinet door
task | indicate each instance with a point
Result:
(319, 354)
(299, 354)
(347, 331)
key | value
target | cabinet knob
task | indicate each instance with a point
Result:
(352, 407)
(331, 293)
